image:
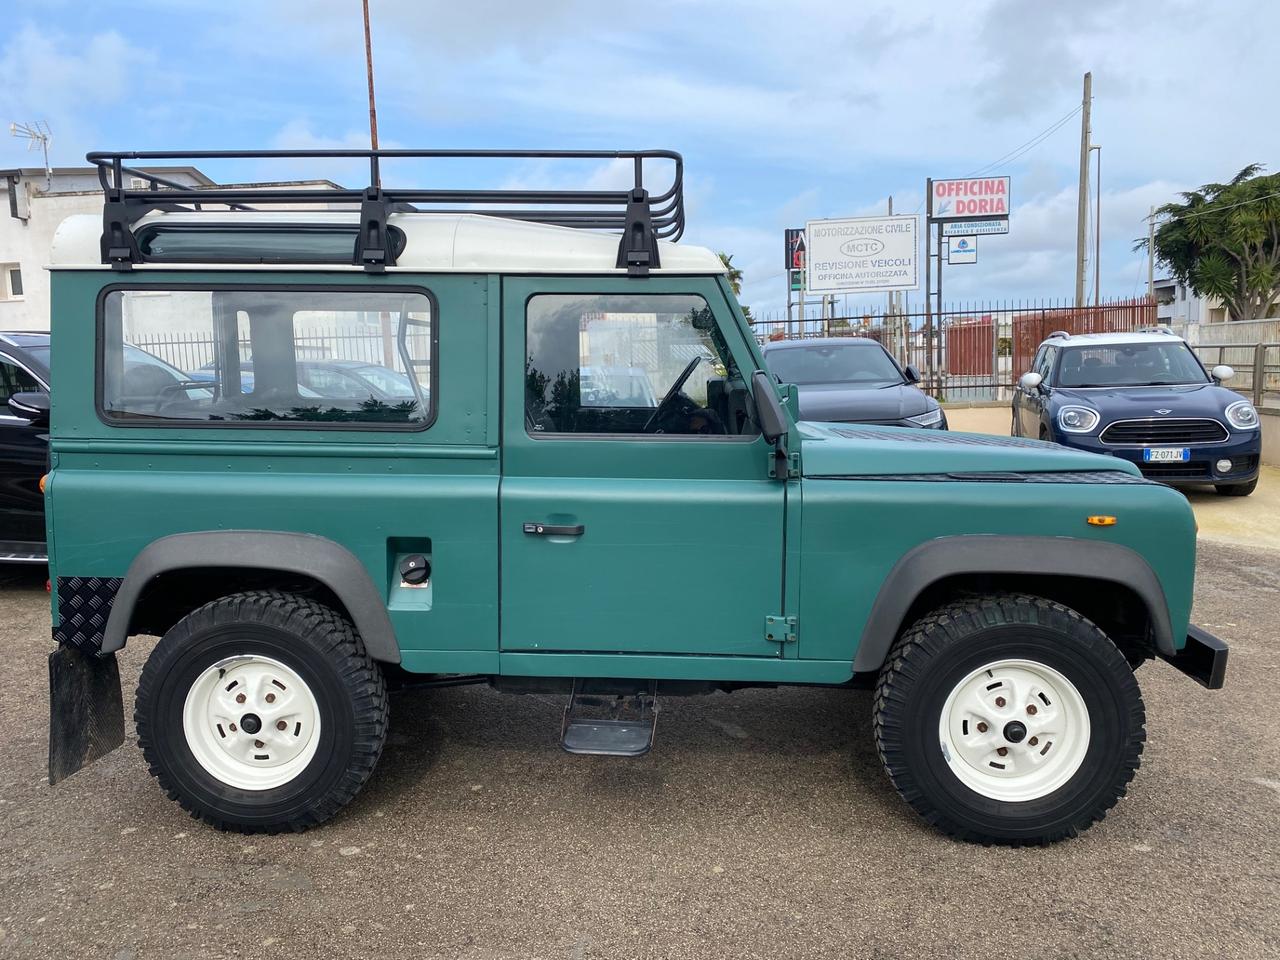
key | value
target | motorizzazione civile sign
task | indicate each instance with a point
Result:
(975, 198)
(863, 255)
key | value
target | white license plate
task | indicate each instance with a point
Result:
(1166, 454)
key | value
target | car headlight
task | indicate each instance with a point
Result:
(1077, 419)
(930, 418)
(1242, 416)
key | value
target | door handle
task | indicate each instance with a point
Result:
(554, 530)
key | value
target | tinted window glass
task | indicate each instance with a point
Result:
(857, 364)
(619, 364)
(193, 243)
(266, 356)
(1129, 365)
(13, 379)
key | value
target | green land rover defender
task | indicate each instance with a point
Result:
(322, 441)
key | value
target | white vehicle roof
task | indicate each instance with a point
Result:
(1111, 339)
(434, 243)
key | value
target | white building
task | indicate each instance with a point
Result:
(35, 202)
(31, 207)
(1178, 303)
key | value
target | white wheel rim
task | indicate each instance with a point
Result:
(251, 722)
(1028, 710)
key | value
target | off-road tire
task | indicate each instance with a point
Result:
(932, 657)
(1237, 489)
(317, 643)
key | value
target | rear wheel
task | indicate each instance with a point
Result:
(1237, 489)
(261, 712)
(1008, 719)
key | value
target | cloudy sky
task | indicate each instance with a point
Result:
(783, 111)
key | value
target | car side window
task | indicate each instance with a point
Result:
(1045, 365)
(13, 379)
(630, 364)
(1035, 361)
(265, 355)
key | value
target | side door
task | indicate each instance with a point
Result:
(636, 512)
(23, 458)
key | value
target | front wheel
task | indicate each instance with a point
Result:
(261, 712)
(1008, 719)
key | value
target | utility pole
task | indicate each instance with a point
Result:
(1097, 234)
(1151, 254)
(1082, 205)
(368, 59)
(928, 283)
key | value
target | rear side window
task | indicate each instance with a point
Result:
(268, 356)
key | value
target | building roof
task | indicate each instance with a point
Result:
(40, 173)
(434, 243)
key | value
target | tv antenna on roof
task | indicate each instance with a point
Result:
(38, 135)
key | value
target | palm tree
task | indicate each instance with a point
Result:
(735, 281)
(735, 275)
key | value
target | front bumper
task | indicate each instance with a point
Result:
(1242, 448)
(1203, 659)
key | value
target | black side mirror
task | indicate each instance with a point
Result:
(31, 406)
(773, 419)
(912, 374)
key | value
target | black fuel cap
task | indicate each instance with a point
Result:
(414, 569)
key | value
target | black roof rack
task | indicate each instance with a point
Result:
(641, 217)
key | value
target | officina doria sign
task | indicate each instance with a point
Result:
(862, 255)
(975, 198)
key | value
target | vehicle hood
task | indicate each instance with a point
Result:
(1126, 403)
(839, 401)
(839, 450)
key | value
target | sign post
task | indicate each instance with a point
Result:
(962, 209)
(794, 255)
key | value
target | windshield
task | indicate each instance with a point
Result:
(864, 364)
(39, 354)
(1129, 365)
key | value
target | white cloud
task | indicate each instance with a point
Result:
(68, 81)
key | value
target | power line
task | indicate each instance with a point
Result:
(1022, 149)
(1205, 213)
(1027, 147)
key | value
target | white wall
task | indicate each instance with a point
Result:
(27, 243)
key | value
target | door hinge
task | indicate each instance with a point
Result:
(793, 466)
(780, 629)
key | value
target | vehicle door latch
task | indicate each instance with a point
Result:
(780, 629)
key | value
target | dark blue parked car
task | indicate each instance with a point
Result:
(853, 380)
(1144, 397)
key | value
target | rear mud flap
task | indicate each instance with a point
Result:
(86, 710)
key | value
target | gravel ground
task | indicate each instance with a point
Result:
(760, 826)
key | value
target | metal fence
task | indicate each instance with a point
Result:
(190, 351)
(970, 352)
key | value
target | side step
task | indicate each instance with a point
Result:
(607, 723)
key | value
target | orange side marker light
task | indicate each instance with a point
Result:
(1101, 520)
(42, 480)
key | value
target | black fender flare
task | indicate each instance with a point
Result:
(322, 559)
(993, 554)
